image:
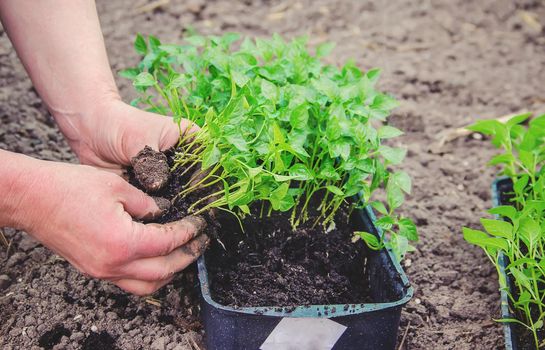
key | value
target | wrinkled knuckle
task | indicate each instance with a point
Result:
(100, 271)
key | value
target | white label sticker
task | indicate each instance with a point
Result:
(304, 334)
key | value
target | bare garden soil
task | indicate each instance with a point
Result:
(448, 63)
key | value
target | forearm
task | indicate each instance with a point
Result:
(18, 175)
(61, 46)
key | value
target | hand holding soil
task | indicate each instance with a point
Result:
(82, 213)
(85, 215)
(119, 131)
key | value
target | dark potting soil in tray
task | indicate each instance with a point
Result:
(270, 264)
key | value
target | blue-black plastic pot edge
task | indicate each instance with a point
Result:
(508, 330)
(314, 311)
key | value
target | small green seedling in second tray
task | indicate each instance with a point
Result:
(279, 129)
(520, 237)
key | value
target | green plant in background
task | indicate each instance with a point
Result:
(279, 129)
(521, 235)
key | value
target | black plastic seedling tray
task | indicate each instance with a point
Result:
(500, 187)
(361, 326)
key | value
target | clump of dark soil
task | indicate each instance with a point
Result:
(53, 337)
(99, 341)
(150, 169)
(151, 166)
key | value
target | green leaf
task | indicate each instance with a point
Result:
(407, 228)
(502, 159)
(504, 211)
(475, 237)
(373, 75)
(399, 245)
(339, 149)
(211, 156)
(240, 79)
(394, 196)
(282, 178)
(370, 239)
(403, 180)
(286, 203)
(327, 87)
(324, 49)
(140, 45)
(521, 278)
(528, 160)
(379, 206)
(238, 141)
(387, 132)
(154, 43)
(385, 222)
(328, 172)
(529, 230)
(366, 165)
(335, 190)
(518, 119)
(520, 184)
(196, 40)
(281, 191)
(538, 123)
(179, 82)
(498, 228)
(269, 90)
(300, 172)
(486, 127)
(144, 79)
(384, 103)
(280, 199)
(391, 154)
(299, 117)
(244, 208)
(129, 73)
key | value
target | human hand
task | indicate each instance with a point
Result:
(84, 214)
(117, 132)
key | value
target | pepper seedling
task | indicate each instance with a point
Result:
(279, 129)
(520, 236)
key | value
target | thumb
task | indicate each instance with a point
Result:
(141, 206)
(162, 132)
